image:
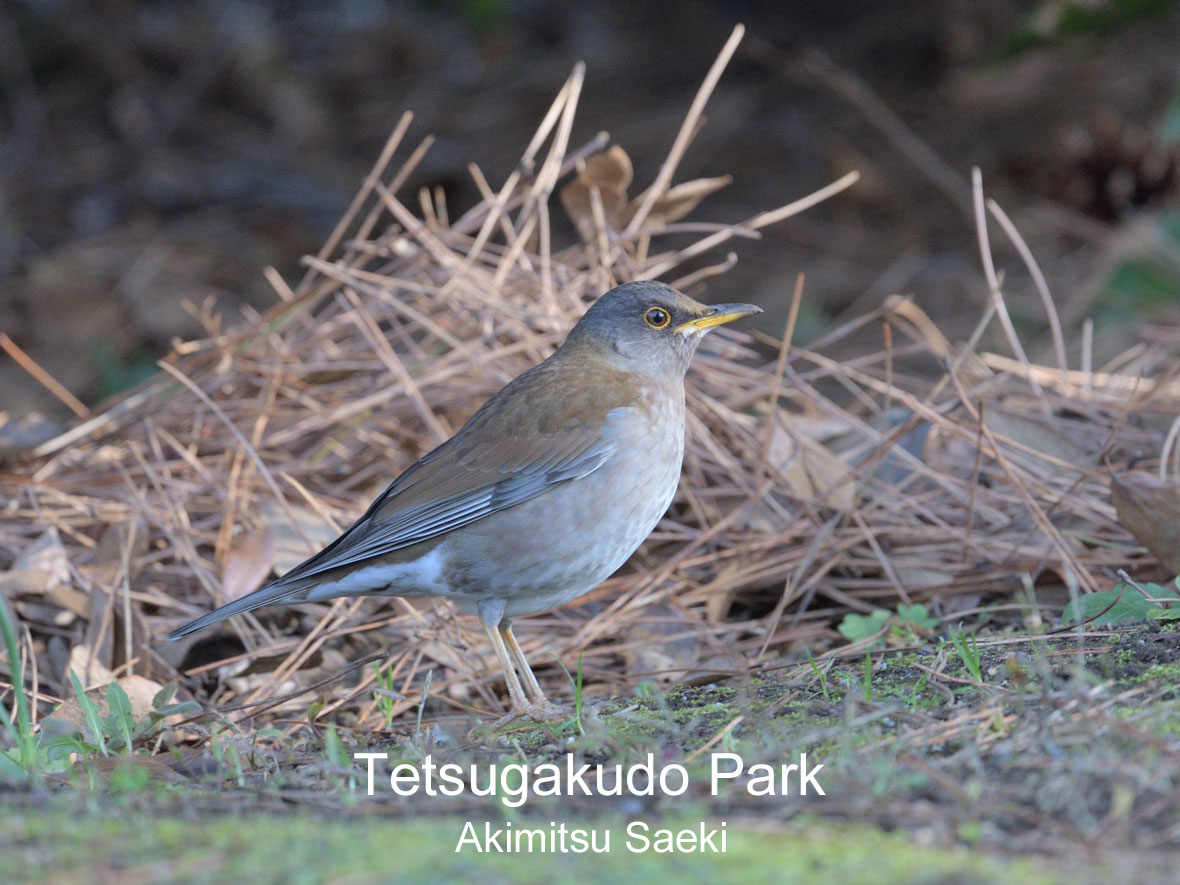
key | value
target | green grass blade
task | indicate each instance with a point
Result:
(22, 735)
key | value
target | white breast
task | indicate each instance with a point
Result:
(592, 525)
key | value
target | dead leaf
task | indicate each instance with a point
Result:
(609, 173)
(719, 602)
(915, 577)
(444, 654)
(159, 768)
(679, 200)
(651, 654)
(40, 567)
(118, 541)
(26, 432)
(809, 470)
(964, 602)
(247, 563)
(1059, 440)
(75, 602)
(257, 665)
(1150, 510)
(895, 467)
(46, 554)
(89, 669)
(823, 428)
(722, 665)
(295, 541)
(918, 326)
(140, 691)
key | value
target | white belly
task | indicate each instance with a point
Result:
(551, 549)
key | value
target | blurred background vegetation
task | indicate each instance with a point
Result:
(155, 157)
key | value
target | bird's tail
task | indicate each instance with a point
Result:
(280, 591)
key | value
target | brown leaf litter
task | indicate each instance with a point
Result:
(814, 485)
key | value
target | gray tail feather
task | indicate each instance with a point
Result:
(279, 591)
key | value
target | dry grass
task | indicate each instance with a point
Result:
(813, 485)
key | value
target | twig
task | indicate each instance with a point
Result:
(50, 383)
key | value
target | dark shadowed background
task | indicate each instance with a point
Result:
(156, 157)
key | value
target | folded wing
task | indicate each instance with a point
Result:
(455, 485)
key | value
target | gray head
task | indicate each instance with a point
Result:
(651, 327)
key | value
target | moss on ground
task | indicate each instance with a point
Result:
(1059, 743)
(57, 842)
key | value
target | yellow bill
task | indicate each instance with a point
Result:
(719, 315)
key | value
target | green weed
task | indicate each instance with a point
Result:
(384, 695)
(1125, 604)
(907, 625)
(820, 673)
(968, 650)
(57, 745)
(22, 759)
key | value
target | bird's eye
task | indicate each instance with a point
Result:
(657, 317)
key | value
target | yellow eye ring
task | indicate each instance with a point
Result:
(657, 317)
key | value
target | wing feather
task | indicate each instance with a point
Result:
(467, 485)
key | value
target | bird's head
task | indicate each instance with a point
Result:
(651, 327)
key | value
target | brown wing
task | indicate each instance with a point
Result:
(523, 441)
(513, 449)
(452, 486)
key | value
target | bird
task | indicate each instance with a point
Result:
(544, 493)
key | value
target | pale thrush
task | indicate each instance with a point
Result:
(541, 495)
